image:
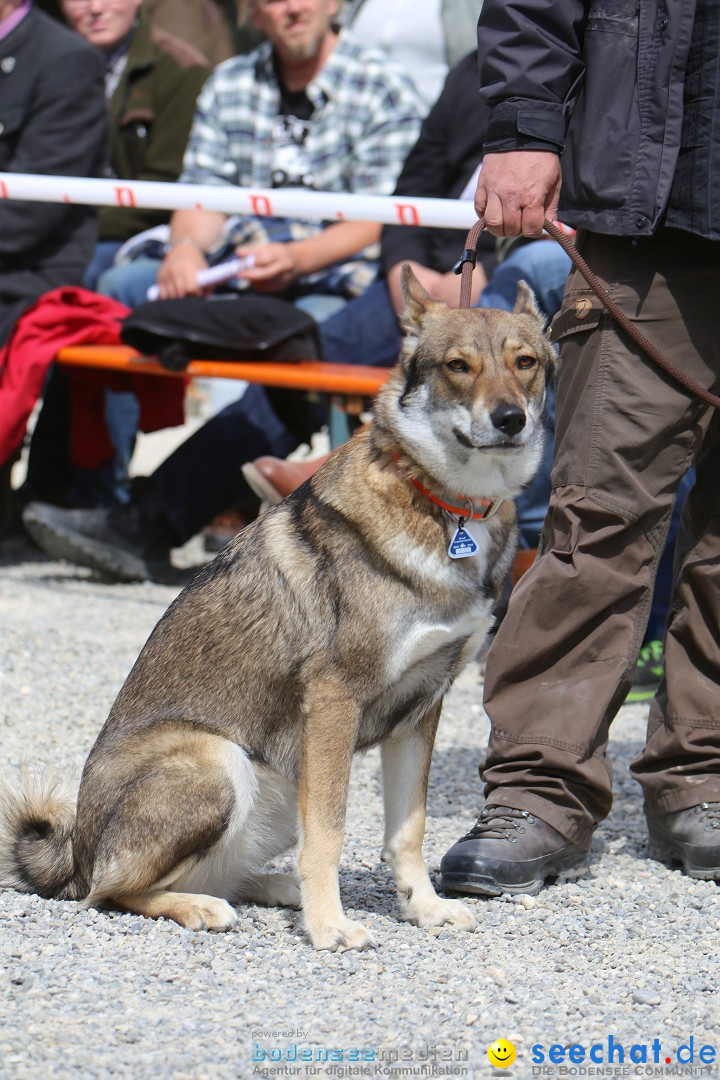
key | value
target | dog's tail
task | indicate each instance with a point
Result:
(37, 816)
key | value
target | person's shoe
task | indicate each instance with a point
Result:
(118, 543)
(690, 837)
(648, 673)
(273, 479)
(509, 851)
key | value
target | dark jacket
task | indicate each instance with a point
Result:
(150, 116)
(53, 120)
(447, 151)
(604, 80)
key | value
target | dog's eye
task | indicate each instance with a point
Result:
(524, 363)
(458, 365)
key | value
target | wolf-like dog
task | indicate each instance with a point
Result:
(335, 622)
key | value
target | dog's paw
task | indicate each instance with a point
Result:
(439, 912)
(203, 913)
(343, 935)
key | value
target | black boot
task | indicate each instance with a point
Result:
(129, 543)
(508, 851)
(689, 837)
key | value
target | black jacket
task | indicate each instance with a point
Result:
(447, 151)
(53, 120)
(603, 79)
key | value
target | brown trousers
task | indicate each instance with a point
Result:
(565, 654)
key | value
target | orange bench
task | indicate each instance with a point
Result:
(347, 387)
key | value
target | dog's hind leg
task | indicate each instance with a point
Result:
(406, 759)
(192, 910)
(173, 827)
(270, 829)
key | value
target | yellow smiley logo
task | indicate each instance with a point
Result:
(501, 1053)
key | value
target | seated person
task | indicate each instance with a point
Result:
(151, 90)
(151, 82)
(309, 108)
(54, 121)
(203, 476)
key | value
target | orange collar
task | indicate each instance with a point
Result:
(468, 509)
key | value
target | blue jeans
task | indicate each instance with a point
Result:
(542, 264)
(129, 284)
(105, 251)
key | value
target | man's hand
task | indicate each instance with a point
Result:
(274, 268)
(517, 190)
(178, 274)
(192, 233)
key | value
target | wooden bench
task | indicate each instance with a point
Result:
(347, 387)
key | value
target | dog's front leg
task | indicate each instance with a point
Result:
(328, 745)
(406, 765)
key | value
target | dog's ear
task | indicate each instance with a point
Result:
(416, 301)
(526, 304)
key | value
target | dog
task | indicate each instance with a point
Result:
(335, 622)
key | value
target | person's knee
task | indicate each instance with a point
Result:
(129, 284)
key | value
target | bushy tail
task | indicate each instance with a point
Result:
(37, 815)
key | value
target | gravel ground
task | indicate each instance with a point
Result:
(628, 952)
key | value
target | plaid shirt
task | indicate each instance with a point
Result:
(366, 119)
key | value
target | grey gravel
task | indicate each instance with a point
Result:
(629, 950)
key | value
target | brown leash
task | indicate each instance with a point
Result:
(466, 265)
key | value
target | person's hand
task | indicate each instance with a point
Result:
(178, 273)
(517, 190)
(444, 287)
(274, 269)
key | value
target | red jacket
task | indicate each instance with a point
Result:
(72, 316)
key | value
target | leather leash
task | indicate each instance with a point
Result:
(466, 264)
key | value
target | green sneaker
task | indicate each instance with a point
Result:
(648, 673)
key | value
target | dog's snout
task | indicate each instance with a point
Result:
(510, 419)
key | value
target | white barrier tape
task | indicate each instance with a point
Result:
(273, 202)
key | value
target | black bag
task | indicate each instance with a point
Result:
(244, 326)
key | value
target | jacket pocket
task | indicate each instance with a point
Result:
(581, 311)
(604, 130)
(135, 131)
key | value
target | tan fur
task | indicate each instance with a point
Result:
(335, 622)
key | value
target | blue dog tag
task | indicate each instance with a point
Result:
(462, 545)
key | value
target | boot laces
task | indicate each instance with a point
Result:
(500, 823)
(710, 812)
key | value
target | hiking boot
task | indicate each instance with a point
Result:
(689, 837)
(509, 851)
(648, 673)
(120, 543)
